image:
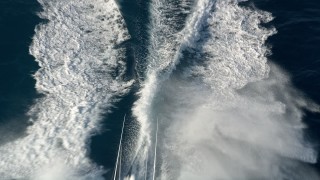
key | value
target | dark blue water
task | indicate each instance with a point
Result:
(296, 48)
(17, 23)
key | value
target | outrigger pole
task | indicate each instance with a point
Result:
(155, 153)
(119, 150)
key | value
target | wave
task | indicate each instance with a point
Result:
(82, 64)
(224, 111)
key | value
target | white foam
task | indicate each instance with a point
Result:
(81, 73)
(220, 115)
(165, 37)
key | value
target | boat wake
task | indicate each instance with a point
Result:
(224, 112)
(210, 105)
(82, 63)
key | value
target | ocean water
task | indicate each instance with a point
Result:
(17, 65)
(159, 89)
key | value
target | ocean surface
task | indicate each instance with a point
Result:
(159, 89)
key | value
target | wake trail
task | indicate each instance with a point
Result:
(226, 112)
(81, 72)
